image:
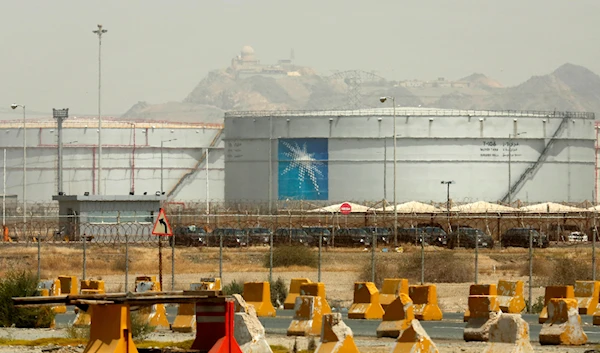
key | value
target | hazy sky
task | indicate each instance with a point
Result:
(157, 51)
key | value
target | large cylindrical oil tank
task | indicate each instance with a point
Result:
(349, 155)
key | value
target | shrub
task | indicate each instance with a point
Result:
(78, 332)
(278, 292)
(284, 256)
(233, 288)
(440, 267)
(140, 329)
(559, 271)
(537, 307)
(22, 284)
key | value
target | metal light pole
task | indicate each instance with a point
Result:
(60, 115)
(510, 137)
(162, 189)
(100, 31)
(207, 189)
(530, 270)
(382, 100)
(448, 193)
(15, 106)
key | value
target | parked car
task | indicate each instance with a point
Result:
(232, 237)
(435, 236)
(292, 236)
(352, 237)
(519, 237)
(258, 236)
(316, 232)
(189, 236)
(578, 237)
(384, 235)
(410, 235)
(466, 237)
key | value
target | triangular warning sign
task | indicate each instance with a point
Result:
(161, 225)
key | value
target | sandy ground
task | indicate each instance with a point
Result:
(382, 345)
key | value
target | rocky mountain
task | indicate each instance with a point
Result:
(570, 87)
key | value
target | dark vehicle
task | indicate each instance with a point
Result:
(188, 236)
(435, 236)
(232, 237)
(519, 237)
(352, 237)
(292, 236)
(384, 235)
(411, 235)
(316, 232)
(258, 236)
(465, 237)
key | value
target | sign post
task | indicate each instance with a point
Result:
(162, 228)
(345, 208)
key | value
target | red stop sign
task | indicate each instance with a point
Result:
(345, 208)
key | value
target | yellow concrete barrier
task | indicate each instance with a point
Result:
(510, 334)
(259, 295)
(510, 296)
(68, 285)
(185, 321)
(366, 302)
(110, 330)
(51, 287)
(425, 303)
(563, 326)
(587, 293)
(391, 289)
(155, 315)
(336, 337)
(479, 289)
(554, 292)
(308, 316)
(83, 317)
(397, 317)
(316, 289)
(414, 339)
(484, 312)
(295, 283)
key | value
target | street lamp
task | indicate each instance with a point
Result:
(100, 31)
(162, 190)
(510, 137)
(382, 100)
(448, 193)
(15, 106)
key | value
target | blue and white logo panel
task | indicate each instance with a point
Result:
(303, 169)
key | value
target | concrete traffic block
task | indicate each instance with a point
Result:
(510, 296)
(308, 316)
(479, 289)
(485, 312)
(425, 303)
(155, 315)
(554, 292)
(509, 334)
(563, 326)
(259, 295)
(336, 337)
(68, 285)
(316, 289)
(51, 287)
(248, 331)
(295, 283)
(83, 318)
(391, 289)
(366, 302)
(587, 293)
(414, 339)
(110, 329)
(185, 321)
(397, 317)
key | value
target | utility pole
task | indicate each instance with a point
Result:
(60, 115)
(100, 31)
(15, 106)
